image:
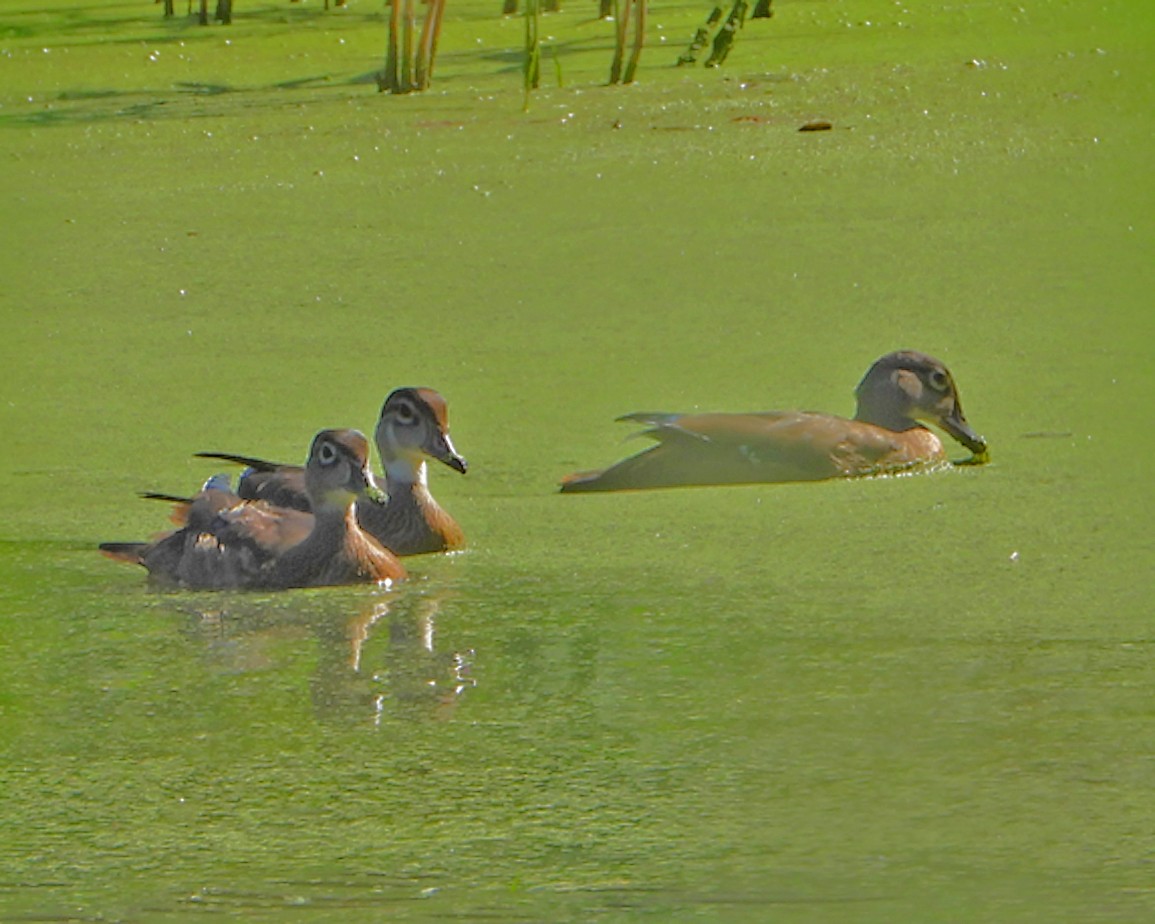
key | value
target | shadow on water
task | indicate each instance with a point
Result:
(81, 26)
(512, 60)
(187, 100)
(425, 898)
(376, 659)
(96, 24)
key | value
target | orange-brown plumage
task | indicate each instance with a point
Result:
(256, 545)
(900, 390)
(412, 428)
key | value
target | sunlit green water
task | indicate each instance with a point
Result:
(923, 698)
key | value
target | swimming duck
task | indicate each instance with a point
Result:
(897, 392)
(227, 542)
(413, 427)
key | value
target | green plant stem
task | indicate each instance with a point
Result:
(621, 24)
(701, 37)
(639, 41)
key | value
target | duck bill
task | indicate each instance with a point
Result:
(367, 488)
(442, 450)
(956, 425)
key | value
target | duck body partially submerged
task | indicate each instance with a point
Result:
(413, 427)
(226, 542)
(899, 392)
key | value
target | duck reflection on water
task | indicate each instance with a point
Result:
(378, 659)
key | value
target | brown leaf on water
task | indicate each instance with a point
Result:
(816, 126)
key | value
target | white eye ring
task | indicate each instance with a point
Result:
(939, 380)
(326, 455)
(405, 413)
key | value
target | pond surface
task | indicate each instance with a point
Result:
(915, 698)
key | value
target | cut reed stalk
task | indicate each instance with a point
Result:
(621, 24)
(701, 37)
(427, 48)
(724, 40)
(639, 41)
(409, 57)
(532, 69)
(390, 79)
(408, 23)
(624, 11)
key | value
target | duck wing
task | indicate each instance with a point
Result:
(277, 483)
(772, 446)
(202, 508)
(239, 547)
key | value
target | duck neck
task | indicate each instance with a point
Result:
(329, 520)
(403, 476)
(882, 410)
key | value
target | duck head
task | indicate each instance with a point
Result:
(337, 471)
(906, 387)
(414, 426)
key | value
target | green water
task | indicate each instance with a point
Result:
(923, 698)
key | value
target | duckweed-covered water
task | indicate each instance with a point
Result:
(921, 698)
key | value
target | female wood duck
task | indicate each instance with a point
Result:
(227, 542)
(898, 391)
(413, 427)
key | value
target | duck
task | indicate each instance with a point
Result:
(226, 542)
(899, 393)
(413, 427)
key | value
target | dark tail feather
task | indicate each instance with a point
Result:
(171, 498)
(180, 505)
(131, 552)
(650, 418)
(258, 465)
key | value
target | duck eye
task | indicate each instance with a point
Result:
(405, 413)
(938, 380)
(326, 455)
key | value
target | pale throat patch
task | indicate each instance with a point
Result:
(405, 471)
(337, 498)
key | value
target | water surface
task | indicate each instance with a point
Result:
(920, 698)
